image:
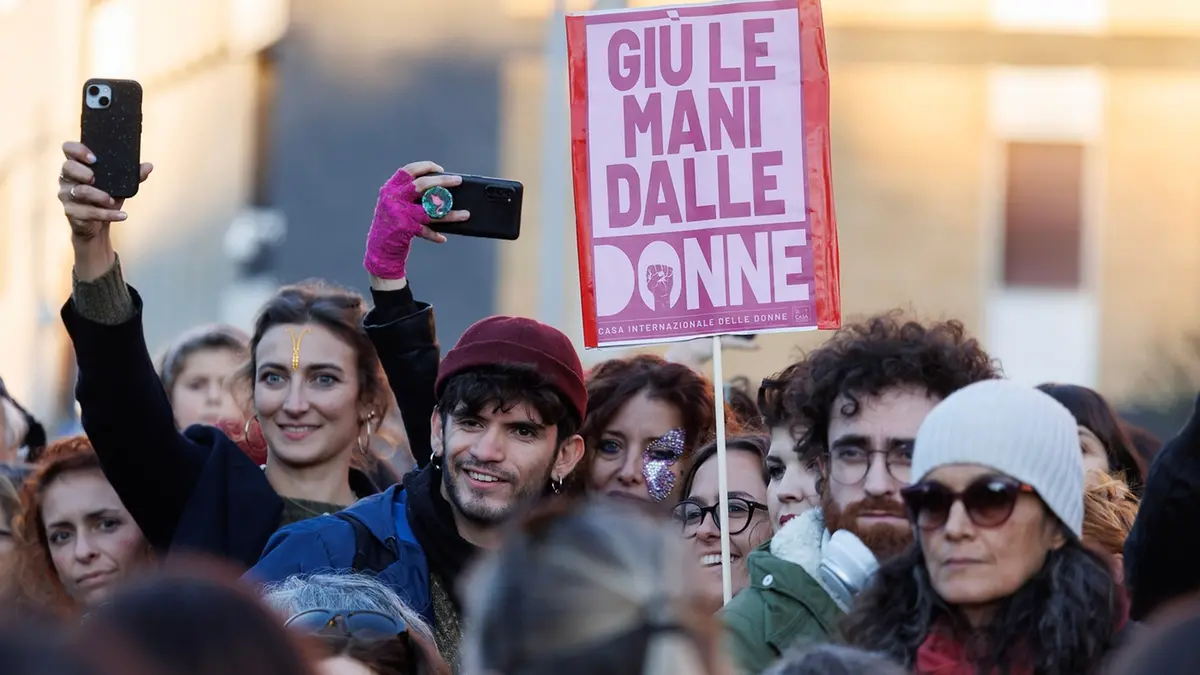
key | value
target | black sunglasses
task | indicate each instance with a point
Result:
(989, 501)
(367, 625)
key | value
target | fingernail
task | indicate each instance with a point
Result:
(466, 213)
(121, 215)
(111, 201)
(91, 158)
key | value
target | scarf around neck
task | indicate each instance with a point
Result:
(432, 522)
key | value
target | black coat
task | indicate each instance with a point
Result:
(1160, 556)
(197, 491)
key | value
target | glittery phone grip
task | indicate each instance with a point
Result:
(399, 217)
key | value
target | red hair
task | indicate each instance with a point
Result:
(36, 577)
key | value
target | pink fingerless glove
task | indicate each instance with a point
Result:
(399, 217)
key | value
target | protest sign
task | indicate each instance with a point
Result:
(701, 170)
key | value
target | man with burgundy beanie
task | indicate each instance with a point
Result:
(510, 399)
(507, 402)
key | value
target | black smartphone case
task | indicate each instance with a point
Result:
(114, 135)
(495, 206)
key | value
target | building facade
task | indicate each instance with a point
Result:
(1025, 166)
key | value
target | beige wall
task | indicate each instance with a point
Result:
(1151, 241)
(196, 62)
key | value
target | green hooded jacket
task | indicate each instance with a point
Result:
(783, 606)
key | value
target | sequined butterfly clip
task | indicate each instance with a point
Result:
(657, 460)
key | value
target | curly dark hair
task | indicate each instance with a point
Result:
(884, 352)
(611, 384)
(778, 408)
(1067, 617)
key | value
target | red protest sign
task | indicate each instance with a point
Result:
(701, 168)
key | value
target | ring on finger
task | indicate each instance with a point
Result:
(72, 192)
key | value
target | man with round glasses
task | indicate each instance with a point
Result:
(867, 392)
(858, 400)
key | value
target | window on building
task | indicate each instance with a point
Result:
(1043, 216)
(266, 91)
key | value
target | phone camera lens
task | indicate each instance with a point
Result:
(103, 101)
(93, 90)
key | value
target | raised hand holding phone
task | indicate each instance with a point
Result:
(399, 218)
(89, 210)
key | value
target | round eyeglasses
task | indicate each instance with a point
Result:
(849, 466)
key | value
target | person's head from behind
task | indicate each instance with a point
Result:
(1109, 509)
(793, 476)
(743, 406)
(833, 660)
(31, 647)
(1107, 448)
(360, 620)
(749, 522)
(197, 372)
(646, 417)
(197, 621)
(318, 388)
(588, 588)
(998, 509)
(1168, 645)
(510, 401)
(863, 396)
(75, 539)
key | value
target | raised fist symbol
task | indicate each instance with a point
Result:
(660, 279)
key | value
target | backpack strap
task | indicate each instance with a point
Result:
(371, 556)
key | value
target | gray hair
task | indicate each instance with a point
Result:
(833, 660)
(342, 591)
(586, 589)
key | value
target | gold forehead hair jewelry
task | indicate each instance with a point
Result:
(296, 340)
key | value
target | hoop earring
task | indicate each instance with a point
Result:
(246, 429)
(557, 486)
(362, 447)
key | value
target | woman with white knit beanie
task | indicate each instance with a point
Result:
(998, 579)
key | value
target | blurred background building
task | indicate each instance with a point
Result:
(1030, 167)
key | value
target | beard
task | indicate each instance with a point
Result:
(885, 541)
(483, 510)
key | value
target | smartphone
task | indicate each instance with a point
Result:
(111, 127)
(495, 206)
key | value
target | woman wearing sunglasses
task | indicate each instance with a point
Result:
(382, 635)
(999, 580)
(749, 522)
(368, 642)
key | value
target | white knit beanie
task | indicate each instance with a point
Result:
(1016, 430)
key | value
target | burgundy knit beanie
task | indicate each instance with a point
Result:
(515, 340)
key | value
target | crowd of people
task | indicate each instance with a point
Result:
(894, 504)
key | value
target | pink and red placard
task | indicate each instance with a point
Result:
(701, 165)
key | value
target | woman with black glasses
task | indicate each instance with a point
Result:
(749, 523)
(999, 580)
